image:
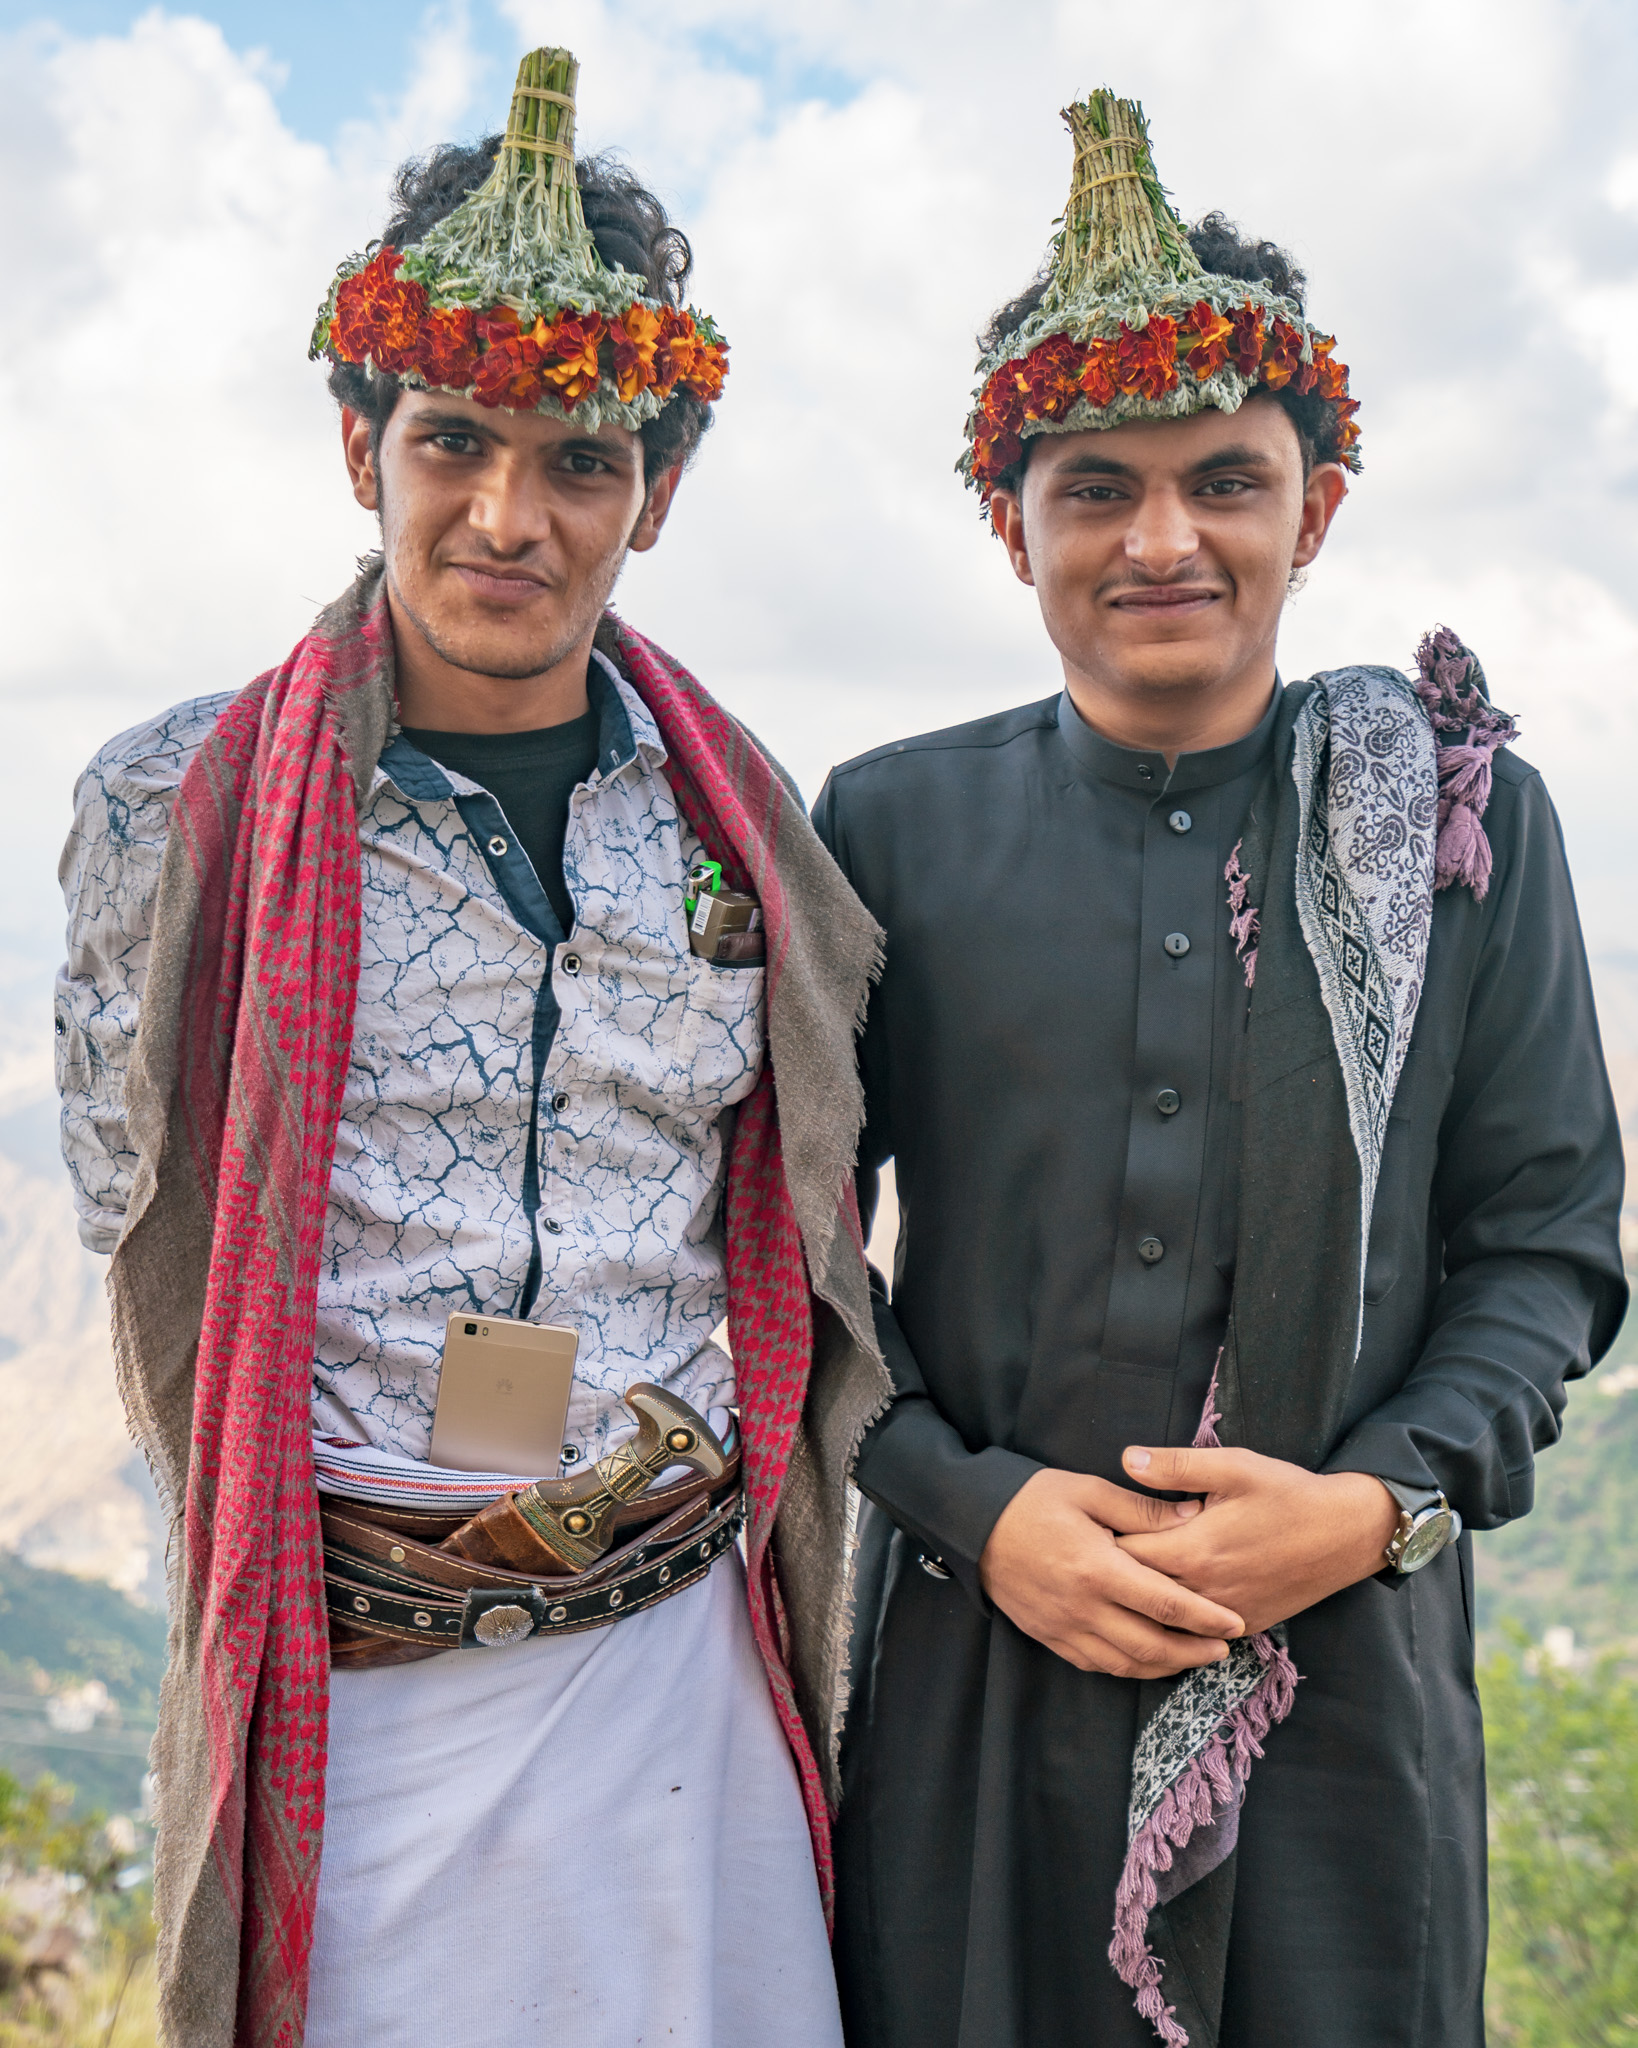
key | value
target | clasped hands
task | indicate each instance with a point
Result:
(1117, 1581)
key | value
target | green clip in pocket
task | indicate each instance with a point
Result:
(704, 879)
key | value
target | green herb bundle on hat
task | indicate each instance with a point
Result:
(1131, 325)
(507, 300)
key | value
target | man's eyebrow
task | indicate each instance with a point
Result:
(590, 444)
(429, 418)
(1231, 458)
(1089, 464)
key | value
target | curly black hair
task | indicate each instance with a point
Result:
(1223, 250)
(630, 227)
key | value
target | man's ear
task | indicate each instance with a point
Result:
(355, 444)
(1323, 493)
(1007, 518)
(655, 508)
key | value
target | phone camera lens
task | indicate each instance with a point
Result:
(471, 1329)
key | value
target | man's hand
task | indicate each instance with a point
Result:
(1273, 1538)
(1053, 1567)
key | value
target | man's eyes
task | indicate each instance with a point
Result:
(1113, 494)
(456, 444)
(582, 464)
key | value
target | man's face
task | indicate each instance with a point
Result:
(1161, 550)
(503, 532)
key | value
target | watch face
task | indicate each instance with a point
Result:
(1426, 1540)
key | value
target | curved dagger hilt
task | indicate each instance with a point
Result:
(575, 1517)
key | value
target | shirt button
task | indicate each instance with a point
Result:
(1145, 772)
(571, 962)
(1168, 1102)
(553, 1225)
(560, 1102)
(497, 846)
(1177, 944)
(1151, 1251)
(1180, 821)
(934, 1567)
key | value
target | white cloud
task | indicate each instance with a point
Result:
(863, 183)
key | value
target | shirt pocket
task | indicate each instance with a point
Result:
(722, 1033)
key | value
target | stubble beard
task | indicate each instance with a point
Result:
(592, 600)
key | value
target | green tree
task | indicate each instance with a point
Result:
(1563, 1769)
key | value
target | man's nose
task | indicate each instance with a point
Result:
(510, 509)
(1162, 535)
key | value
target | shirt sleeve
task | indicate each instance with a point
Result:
(913, 1463)
(1527, 1194)
(109, 874)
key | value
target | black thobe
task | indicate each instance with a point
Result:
(1049, 1061)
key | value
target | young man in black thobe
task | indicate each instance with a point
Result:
(1237, 1058)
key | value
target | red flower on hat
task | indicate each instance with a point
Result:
(448, 352)
(1246, 345)
(1205, 338)
(1330, 376)
(1052, 374)
(1146, 362)
(573, 339)
(635, 340)
(1282, 355)
(1098, 372)
(706, 379)
(379, 314)
(508, 371)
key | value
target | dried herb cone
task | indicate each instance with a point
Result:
(507, 300)
(1130, 326)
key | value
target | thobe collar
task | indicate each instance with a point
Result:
(1136, 768)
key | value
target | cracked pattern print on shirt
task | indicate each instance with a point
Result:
(428, 1213)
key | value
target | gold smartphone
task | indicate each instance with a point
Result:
(503, 1396)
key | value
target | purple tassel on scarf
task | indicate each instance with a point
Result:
(1205, 1796)
(1243, 924)
(1467, 730)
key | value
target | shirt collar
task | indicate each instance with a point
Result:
(624, 730)
(1133, 768)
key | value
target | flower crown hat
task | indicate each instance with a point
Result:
(507, 301)
(1131, 326)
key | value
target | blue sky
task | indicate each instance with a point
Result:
(335, 57)
(340, 61)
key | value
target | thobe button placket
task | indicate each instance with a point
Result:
(1151, 1251)
(1168, 1102)
(1177, 944)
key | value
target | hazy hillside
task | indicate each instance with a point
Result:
(79, 1684)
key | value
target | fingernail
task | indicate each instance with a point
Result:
(1185, 1508)
(1138, 1461)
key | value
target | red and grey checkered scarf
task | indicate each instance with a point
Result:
(242, 1067)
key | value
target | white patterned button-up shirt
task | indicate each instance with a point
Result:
(591, 1199)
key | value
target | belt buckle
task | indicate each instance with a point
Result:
(493, 1618)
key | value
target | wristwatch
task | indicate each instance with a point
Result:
(1427, 1522)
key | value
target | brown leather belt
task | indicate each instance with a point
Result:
(394, 1597)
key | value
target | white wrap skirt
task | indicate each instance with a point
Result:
(598, 1839)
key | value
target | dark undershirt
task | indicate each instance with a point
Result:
(531, 775)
